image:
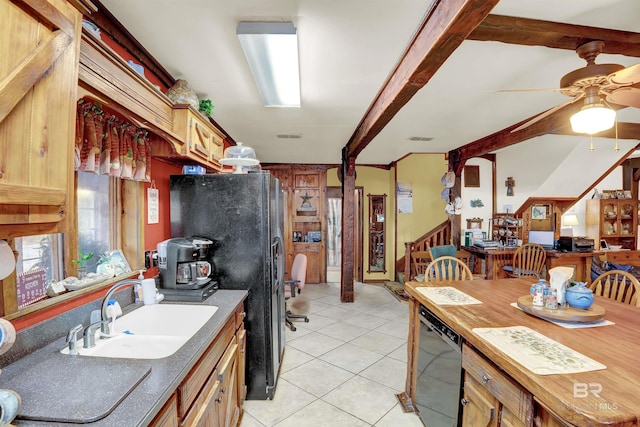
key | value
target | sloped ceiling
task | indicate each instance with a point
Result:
(347, 50)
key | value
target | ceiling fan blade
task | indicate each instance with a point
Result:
(629, 75)
(547, 113)
(629, 96)
(529, 90)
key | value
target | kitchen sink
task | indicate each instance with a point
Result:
(150, 332)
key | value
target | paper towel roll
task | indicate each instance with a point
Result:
(7, 259)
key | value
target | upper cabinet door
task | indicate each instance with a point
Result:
(39, 42)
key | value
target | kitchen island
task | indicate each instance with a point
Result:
(598, 397)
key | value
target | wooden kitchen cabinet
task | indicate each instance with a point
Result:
(204, 141)
(168, 415)
(490, 397)
(241, 336)
(39, 71)
(312, 251)
(479, 406)
(305, 219)
(613, 220)
(212, 394)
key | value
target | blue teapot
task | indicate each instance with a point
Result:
(579, 296)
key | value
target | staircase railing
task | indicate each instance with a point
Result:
(440, 235)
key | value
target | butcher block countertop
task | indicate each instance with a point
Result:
(601, 397)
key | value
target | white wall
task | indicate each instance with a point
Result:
(554, 166)
(484, 193)
(568, 172)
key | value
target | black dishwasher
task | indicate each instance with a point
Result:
(439, 376)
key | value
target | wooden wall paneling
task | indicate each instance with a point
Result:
(133, 218)
(37, 112)
(110, 76)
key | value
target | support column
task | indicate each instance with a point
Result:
(348, 226)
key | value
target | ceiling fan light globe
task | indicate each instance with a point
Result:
(592, 119)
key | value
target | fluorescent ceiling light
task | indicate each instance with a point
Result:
(271, 48)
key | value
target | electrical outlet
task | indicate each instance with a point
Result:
(154, 258)
(147, 259)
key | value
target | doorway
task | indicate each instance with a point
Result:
(334, 234)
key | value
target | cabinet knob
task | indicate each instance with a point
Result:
(219, 399)
(223, 389)
(464, 401)
(485, 378)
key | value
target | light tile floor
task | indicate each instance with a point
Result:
(344, 367)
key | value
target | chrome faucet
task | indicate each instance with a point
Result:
(106, 325)
(89, 338)
(72, 339)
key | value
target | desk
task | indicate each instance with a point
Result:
(495, 259)
(580, 261)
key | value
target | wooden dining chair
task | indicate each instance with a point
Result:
(447, 268)
(420, 261)
(528, 260)
(617, 285)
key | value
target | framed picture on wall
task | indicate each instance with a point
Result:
(472, 176)
(539, 212)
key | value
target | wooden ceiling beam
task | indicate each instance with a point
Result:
(556, 35)
(625, 131)
(554, 123)
(557, 124)
(445, 26)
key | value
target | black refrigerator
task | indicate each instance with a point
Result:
(243, 215)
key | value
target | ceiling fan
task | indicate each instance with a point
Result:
(604, 88)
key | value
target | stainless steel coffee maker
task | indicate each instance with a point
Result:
(184, 268)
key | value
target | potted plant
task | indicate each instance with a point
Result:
(82, 263)
(206, 107)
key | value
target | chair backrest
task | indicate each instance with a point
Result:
(529, 260)
(617, 285)
(420, 260)
(443, 250)
(447, 268)
(298, 273)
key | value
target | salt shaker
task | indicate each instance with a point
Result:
(551, 302)
(538, 296)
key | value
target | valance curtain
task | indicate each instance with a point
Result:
(108, 145)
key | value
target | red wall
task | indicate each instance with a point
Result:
(156, 233)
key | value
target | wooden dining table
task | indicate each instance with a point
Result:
(490, 262)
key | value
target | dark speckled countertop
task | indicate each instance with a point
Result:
(97, 376)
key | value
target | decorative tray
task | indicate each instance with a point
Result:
(568, 314)
(72, 283)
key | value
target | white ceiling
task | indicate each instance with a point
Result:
(347, 50)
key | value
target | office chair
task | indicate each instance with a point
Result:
(298, 278)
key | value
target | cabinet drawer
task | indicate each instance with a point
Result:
(191, 386)
(240, 315)
(508, 392)
(306, 247)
